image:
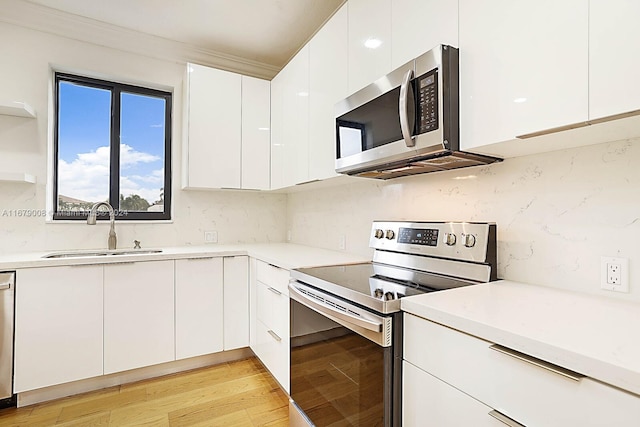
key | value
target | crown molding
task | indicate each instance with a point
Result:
(52, 21)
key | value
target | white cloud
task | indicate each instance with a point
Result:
(129, 156)
(87, 176)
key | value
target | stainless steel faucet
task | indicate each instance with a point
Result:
(91, 220)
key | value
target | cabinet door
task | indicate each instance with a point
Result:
(278, 161)
(429, 401)
(58, 329)
(328, 84)
(523, 68)
(213, 128)
(236, 302)
(256, 145)
(138, 315)
(614, 40)
(419, 25)
(199, 307)
(295, 111)
(369, 41)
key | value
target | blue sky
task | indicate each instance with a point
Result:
(84, 134)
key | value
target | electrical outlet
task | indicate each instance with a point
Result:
(614, 274)
(211, 237)
(342, 242)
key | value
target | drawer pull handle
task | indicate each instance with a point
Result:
(504, 419)
(274, 290)
(5, 286)
(274, 335)
(537, 362)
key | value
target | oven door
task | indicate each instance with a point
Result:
(342, 362)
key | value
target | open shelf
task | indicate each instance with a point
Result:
(19, 109)
(17, 177)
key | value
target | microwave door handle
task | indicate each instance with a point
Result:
(403, 106)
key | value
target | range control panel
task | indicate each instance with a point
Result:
(455, 240)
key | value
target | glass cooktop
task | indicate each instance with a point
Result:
(376, 286)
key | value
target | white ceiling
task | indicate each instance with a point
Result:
(266, 31)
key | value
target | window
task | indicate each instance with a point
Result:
(112, 144)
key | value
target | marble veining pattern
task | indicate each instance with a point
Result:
(557, 213)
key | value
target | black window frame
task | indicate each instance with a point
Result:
(116, 90)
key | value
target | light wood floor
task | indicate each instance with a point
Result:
(238, 393)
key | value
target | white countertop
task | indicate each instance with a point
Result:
(285, 255)
(595, 336)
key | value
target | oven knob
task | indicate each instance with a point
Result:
(390, 234)
(388, 296)
(450, 239)
(378, 293)
(469, 240)
(378, 234)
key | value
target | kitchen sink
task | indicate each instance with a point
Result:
(76, 254)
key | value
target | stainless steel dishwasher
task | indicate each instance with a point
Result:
(7, 286)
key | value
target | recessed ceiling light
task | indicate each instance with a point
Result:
(263, 128)
(303, 93)
(520, 100)
(372, 43)
(466, 177)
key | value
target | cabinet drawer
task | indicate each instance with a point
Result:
(273, 276)
(427, 398)
(273, 350)
(530, 394)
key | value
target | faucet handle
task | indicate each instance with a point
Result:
(136, 244)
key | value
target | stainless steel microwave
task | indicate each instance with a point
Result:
(406, 122)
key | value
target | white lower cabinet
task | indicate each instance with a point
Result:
(58, 329)
(530, 391)
(138, 315)
(429, 401)
(236, 302)
(270, 319)
(199, 306)
(84, 321)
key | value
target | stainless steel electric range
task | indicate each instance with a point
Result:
(346, 324)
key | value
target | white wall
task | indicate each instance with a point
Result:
(27, 57)
(556, 213)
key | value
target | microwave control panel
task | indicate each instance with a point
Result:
(427, 96)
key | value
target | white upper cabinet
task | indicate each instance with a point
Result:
(419, 25)
(213, 128)
(226, 121)
(523, 68)
(290, 123)
(614, 43)
(328, 84)
(369, 41)
(256, 148)
(277, 132)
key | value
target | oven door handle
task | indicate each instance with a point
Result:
(332, 312)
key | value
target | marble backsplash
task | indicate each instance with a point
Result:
(238, 217)
(556, 213)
